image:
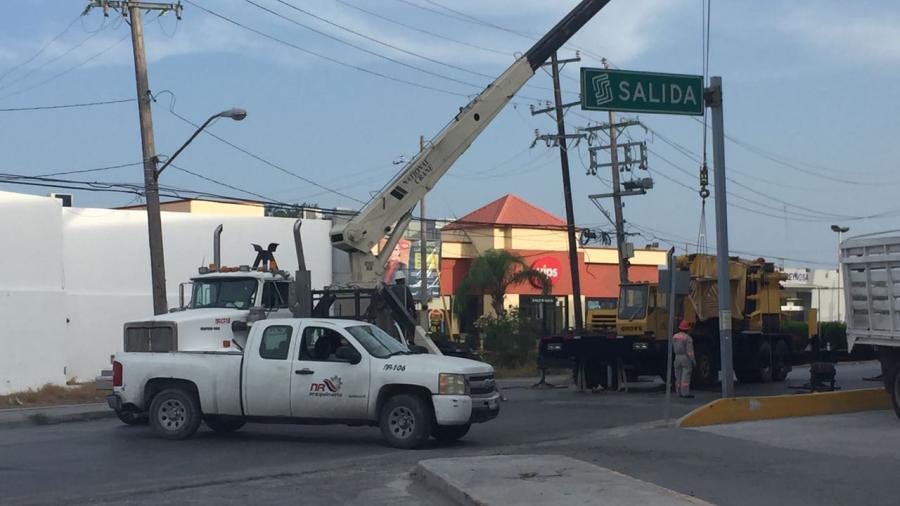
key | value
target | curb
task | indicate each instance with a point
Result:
(747, 409)
(52, 415)
(451, 490)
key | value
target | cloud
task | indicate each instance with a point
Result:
(847, 37)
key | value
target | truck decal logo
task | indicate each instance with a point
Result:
(222, 321)
(329, 387)
(394, 367)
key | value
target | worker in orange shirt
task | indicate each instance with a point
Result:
(683, 347)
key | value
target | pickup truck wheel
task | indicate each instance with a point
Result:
(132, 417)
(223, 424)
(449, 433)
(406, 421)
(175, 414)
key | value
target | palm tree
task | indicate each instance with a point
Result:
(492, 274)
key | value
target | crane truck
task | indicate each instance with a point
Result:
(870, 271)
(638, 344)
(439, 388)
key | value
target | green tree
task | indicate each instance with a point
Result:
(493, 273)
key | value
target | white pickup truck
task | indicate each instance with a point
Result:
(308, 371)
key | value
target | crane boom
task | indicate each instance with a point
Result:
(390, 212)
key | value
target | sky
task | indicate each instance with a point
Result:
(339, 91)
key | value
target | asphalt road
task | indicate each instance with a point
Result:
(105, 462)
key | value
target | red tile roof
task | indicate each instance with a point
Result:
(508, 210)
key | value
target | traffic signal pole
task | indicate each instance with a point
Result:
(713, 98)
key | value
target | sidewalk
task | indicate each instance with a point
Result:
(46, 415)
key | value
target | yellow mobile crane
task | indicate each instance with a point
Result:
(638, 344)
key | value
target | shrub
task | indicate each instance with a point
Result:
(509, 339)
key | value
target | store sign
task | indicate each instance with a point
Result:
(797, 276)
(550, 266)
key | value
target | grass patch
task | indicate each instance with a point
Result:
(47, 395)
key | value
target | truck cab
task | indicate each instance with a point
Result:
(221, 304)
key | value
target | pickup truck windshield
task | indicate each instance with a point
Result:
(633, 302)
(376, 341)
(238, 293)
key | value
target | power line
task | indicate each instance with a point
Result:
(260, 158)
(67, 106)
(39, 51)
(324, 56)
(64, 72)
(381, 42)
(357, 47)
(426, 32)
(220, 183)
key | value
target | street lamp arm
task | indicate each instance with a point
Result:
(190, 139)
(233, 113)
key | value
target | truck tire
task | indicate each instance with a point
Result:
(780, 366)
(704, 372)
(762, 372)
(449, 433)
(406, 421)
(223, 424)
(175, 414)
(129, 417)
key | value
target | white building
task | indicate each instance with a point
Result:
(70, 277)
(814, 289)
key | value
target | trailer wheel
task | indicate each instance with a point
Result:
(704, 373)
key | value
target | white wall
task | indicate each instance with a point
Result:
(32, 318)
(70, 277)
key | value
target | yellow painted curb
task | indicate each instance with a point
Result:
(745, 409)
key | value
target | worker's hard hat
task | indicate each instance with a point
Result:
(684, 325)
(399, 274)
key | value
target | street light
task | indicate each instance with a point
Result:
(154, 219)
(840, 232)
(234, 113)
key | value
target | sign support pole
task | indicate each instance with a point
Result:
(713, 97)
(670, 262)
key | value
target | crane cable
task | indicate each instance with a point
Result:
(702, 244)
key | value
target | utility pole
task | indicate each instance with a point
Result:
(424, 294)
(567, 191)
(148, 147)
(617, 198)
(713, 99)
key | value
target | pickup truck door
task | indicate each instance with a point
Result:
(267, 370)
(323, 386)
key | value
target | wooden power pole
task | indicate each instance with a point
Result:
(148, 147)
(567, 194)
(617, 195)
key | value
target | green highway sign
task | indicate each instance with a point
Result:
(651, 92)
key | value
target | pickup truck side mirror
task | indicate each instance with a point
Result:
(415, 348)
(349, 354)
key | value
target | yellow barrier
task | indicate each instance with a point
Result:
(746, 409)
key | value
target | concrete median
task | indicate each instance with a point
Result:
(540, 480)
(746, 409)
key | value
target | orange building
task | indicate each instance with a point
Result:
(539, 237)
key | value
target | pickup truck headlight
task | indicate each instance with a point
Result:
(451, 384)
